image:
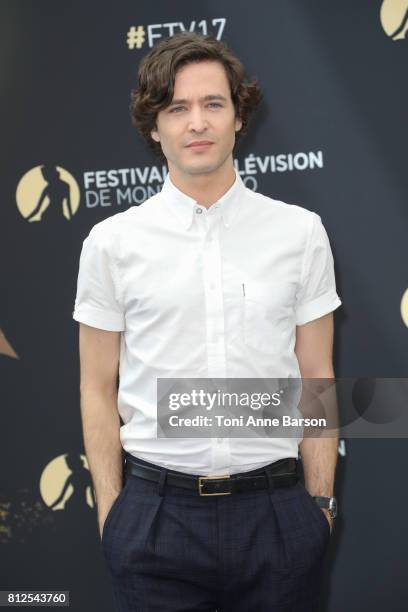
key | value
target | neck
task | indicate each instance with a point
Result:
(204, 188)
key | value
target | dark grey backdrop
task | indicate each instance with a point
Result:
(334, 82)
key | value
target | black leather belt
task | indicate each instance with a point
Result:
(282, 473)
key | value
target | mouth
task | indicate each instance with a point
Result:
(200, 144)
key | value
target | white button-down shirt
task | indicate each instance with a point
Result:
(204, 293)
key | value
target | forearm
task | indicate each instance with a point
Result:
(319, 460)
(319, 455)
(101, 425)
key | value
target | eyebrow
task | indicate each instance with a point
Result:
(203, 99)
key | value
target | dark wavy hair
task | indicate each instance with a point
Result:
(157, 72)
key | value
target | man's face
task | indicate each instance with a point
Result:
(201, 111)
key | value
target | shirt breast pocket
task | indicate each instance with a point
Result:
(267, 315)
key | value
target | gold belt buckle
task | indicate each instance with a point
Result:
(212, 477)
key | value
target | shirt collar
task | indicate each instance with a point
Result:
(184, 206)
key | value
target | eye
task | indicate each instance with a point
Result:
(176, 108)
(215, 104)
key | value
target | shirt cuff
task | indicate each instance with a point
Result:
(102, 319)
(317, 308)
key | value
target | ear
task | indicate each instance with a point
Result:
(238, 124)
(155, 135)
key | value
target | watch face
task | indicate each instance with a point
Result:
(333, 506)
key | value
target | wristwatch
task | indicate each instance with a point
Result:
(327, 502)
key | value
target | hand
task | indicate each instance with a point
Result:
(102, 515)
(101, 522)
(329, 518)
(104, 510)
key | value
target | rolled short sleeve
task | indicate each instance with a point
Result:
(317, 293)
(97, 298)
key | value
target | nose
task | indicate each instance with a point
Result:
(197, 120)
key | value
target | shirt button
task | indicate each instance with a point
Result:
(199, 211)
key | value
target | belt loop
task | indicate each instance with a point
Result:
(162, 481)
(270, 479)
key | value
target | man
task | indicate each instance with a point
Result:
(206, 279)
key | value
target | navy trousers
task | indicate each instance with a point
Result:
(170, 550)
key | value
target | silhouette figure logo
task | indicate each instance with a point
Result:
(47, 193)
(394, 19)
(404, 307)
(5, 347)
(66, 483)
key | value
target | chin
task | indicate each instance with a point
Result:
(204, 170)
(203, 166)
